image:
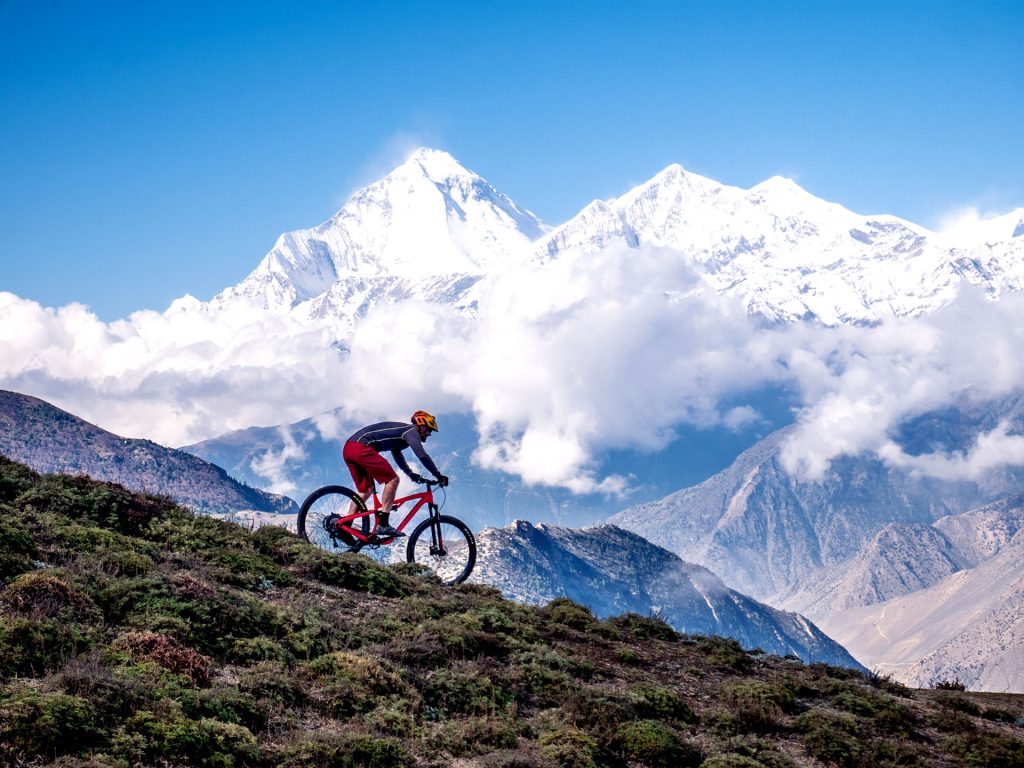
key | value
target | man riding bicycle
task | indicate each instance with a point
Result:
(362, 455)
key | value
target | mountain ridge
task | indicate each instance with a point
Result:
(52, 440)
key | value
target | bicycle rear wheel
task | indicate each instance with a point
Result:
(445, 545)
(320, 512)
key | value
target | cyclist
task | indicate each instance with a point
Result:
(362, 455)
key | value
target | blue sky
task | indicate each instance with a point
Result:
(153, 149)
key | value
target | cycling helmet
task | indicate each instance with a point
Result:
(425, 420)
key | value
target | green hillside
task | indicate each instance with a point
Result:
(133, 633)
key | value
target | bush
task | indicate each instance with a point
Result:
(349, 682)
(724, 654)
(17, 547)
(832, 738)
(30, 648)
(168, 653)
(980, 749)
(42, 595)
(272, 682)
(660, 703)
(464, 692)
(172, 738)
(644, 627)
(347, 751)
(571, 748)
(564, 611)
(354, 572)
(758, 705)
(48, 724)
(474, 736)
(653, 744)
(15, 479)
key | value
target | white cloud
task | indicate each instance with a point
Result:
(273, 465)
(561, 363)
(867, 380)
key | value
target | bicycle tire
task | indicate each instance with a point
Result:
(319, 507)
(454, 565)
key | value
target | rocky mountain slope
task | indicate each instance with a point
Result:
(612, 571)
(867, 535)
(51, 440)
(133, 632)
(966, 627)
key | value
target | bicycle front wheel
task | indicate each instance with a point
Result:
(445, 545)
(320, 513)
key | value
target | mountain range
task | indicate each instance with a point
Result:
(613, 571)
(607, 569)
(866, 534)
(916, 576)
(51, 440)
(432, 230)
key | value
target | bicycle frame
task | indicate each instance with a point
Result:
(422, 498)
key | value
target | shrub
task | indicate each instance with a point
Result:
(644, 627)
(271, 681)
(518, 758)
(763, 752)
(48, 724)
(564, 611)
(982, 749)
(758, 705)
(464, 692)
(660, 703)
(105, 504)
(17, 547)
(956, 684)
(114, 695)
(730, 760)
(172, 738)
(724, 654)
(571, 748)
(957, 702)
(250, 650)
(347, 751)
(653, 744)
(228, 705)
(29, 647)
(42, 595)
(15, 479)
(350, 682)
(832, 738)
(168, 653)
(353, 572)
(474, 736)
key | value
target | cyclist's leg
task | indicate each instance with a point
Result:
(387, 498)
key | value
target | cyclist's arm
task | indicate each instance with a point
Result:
(413, 439)
(403, 464)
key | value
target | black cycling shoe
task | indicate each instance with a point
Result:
(387, 532)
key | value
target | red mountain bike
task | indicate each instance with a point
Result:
(442, 543)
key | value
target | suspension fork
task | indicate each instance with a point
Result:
(436, 539)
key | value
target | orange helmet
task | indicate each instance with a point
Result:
(424, 419)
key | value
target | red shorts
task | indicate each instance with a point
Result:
(366, 465)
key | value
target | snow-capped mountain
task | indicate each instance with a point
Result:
(432, 230)
(422, 230)
(790, 255)
(612, 571)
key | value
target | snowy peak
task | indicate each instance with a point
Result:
(430, 217)
(786, 254)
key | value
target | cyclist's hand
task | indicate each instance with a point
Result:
(418, 479)
(442, 480)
